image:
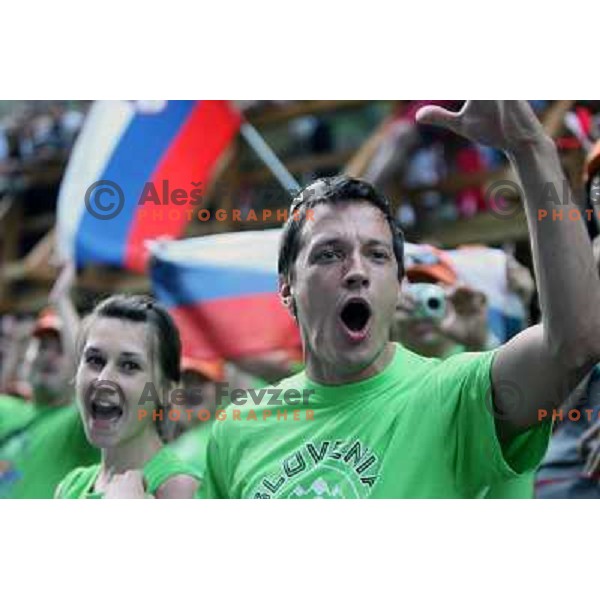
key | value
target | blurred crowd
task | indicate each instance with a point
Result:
(441, 177)
(435, 176)
(38, 131)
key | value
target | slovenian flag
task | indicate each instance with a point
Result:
(136, 173)
(222, 292)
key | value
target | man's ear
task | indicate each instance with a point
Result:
(285, 294)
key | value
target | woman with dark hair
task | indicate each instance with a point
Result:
(129, 354)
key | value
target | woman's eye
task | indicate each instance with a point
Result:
(94, 361)
(130, 365)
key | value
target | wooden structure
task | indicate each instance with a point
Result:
(27, 236)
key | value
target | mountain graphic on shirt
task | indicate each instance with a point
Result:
(319, 489)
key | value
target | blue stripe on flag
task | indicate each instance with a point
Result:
(137, 155)
(177, 284)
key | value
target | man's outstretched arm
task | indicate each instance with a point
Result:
(537, 369)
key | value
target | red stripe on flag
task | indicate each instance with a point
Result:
(191, 159)
(236, 327)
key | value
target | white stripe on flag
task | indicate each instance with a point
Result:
(101, 132)
(257, 250)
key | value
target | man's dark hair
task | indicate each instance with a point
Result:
(331, 190)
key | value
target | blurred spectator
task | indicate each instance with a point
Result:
(461, 322)
(41, 441)
(16, 356)
(200, 380)
(571, 468)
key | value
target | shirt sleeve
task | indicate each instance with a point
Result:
(467, 420)
(64, 488)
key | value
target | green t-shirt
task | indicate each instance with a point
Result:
(79, 484)
(39, 451)
(422, 428)
(514, 488)
(15, 413)
(191, 446)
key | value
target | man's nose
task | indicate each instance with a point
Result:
(357, 276)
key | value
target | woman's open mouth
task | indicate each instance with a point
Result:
(356, 317)
(106, 409)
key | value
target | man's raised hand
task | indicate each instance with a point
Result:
(508, 125)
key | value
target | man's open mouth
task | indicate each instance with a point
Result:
(356, 315)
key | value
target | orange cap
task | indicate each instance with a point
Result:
(211, 369)
(21, 389)
(430, 265)
(47, 320)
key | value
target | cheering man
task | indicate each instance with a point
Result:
(385, 422)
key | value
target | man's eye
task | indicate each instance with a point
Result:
(328, 254)
(380, 254)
